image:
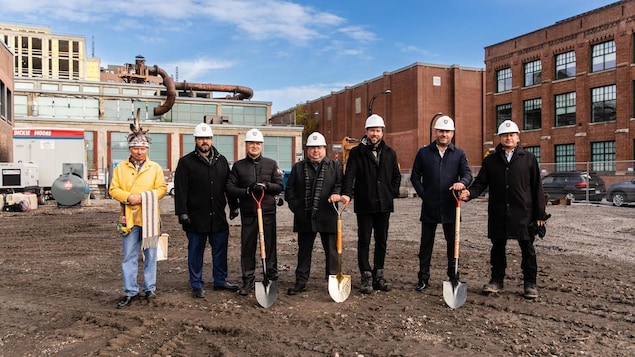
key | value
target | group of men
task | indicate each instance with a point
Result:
(205, 185)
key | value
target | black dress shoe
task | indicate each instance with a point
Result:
(127, 300)
(421, 285)
(150, 295)
(297, 288)
(227, 286)
(198, 293)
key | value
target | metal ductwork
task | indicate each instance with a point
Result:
(240, 92)
(139, 72)
(171, 90)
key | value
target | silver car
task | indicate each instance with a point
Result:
(621, 193)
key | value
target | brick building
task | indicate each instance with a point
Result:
(570, 88)
(417, 93)
(6, 103)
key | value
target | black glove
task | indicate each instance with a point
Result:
(258, 187)
(184, 219)
(233, 213)
(536, 230)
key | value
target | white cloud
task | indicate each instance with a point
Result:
(195, 70)
(414, 49)
(358, 33)
(264, 19)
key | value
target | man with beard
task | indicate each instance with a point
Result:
(199, 202)
(438, 171)
(372, 177)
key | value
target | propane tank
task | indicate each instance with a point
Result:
(68, 190)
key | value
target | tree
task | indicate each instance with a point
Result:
(309, 122)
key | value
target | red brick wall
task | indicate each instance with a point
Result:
(579, 33)
(6, 132)
(408, 110)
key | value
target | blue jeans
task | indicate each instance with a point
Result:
(196, 250)
(131, 245)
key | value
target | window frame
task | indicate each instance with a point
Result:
(504, 80)
(602, 98)
(567, 110)
(565, 65)
(603, 56)
(534, 150)
(532, 113)
(603, 156)
(503, 112)
(532, 73)
(564, 157)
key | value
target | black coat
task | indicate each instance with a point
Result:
(199, 191)
(516, 197)
(325, 219)
(373, 185)
(432, 176)
(248, 171)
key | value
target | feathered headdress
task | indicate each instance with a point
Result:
(138, 137)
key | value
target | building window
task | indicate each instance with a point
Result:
(503, 112)
(603, 103)
(603, 56)
(279, 149)
(3, 98)
(89, 142)
(119, 147)
(533, 73)
(565, 65)
(504, 80)
(603, 156)
(534, 150)
(9, 107)
(565, 157)
(532, 116)
(565, 109)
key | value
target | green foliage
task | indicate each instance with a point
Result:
(308, 121)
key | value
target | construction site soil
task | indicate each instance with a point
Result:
(60, 278)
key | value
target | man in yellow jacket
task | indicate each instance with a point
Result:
(138, 183)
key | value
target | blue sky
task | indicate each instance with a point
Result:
(289, 52)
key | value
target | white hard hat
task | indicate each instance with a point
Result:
(507, 127)
(203, 130)
(375, 121)
(444, 123)
(315, 139)
(254, 135)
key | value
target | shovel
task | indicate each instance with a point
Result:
(454, 291)
(266, 291)
(339, 285)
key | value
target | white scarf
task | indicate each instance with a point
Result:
(150, 219)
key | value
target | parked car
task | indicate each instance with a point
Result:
(574, 185)
(621, 193)
(171, 188)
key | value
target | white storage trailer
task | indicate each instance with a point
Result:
(55, 151)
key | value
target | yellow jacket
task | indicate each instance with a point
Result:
(126, 180)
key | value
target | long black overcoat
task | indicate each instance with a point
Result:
(516, 196)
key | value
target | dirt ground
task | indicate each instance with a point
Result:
(60, 279)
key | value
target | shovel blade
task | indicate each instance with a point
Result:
(339, 287)
(266, 293)
(454, 294)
